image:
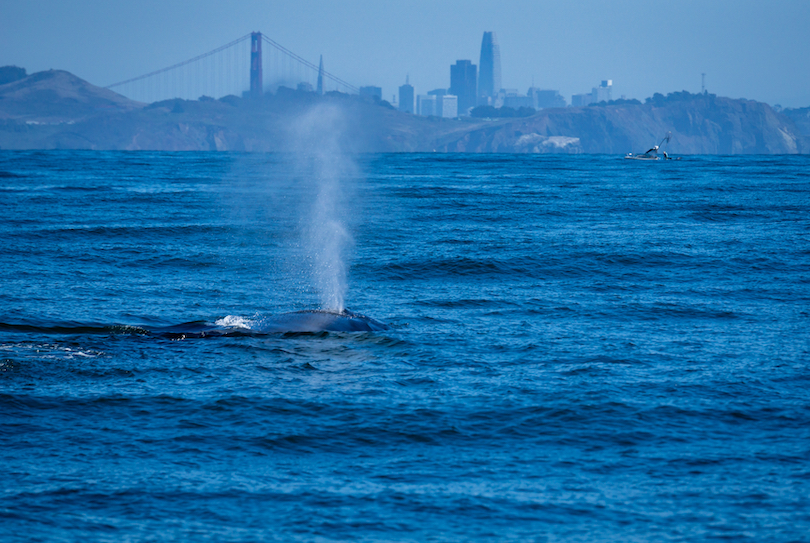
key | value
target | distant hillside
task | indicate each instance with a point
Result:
(57, 96)
(9, 74)
(57, 110)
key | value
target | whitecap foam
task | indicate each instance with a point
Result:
(234, 321)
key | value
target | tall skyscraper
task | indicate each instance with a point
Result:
(489, 78)
(463, 83)
(319, 90)
(406, 97)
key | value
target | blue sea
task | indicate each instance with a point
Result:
(571, 349)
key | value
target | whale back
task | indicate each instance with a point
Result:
(303, 322)
(319, 321)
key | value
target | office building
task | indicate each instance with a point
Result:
(444, 108)
(489, 68)
(545, 98)
(406, 97)
(581, 100)
(512, 99)
(371, 92)
(438, 92)
(449, 106)
(603, 92)
(464, 84)
(426, 105)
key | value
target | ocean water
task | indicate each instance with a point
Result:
(579, 348)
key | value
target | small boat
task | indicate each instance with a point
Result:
(652, 154)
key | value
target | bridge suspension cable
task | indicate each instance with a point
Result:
(227, 70)
(308, 64)
(180, 64)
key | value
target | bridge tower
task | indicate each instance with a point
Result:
(256, 89)
(319, 88)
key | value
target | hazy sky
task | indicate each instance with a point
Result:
(754, 49)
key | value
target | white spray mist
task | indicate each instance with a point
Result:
(327, 172)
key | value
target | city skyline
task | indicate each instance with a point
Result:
(746, 49)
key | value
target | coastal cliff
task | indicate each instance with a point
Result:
(700, 124)
(57, 110)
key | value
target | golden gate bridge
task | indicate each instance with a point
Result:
(236, 68)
